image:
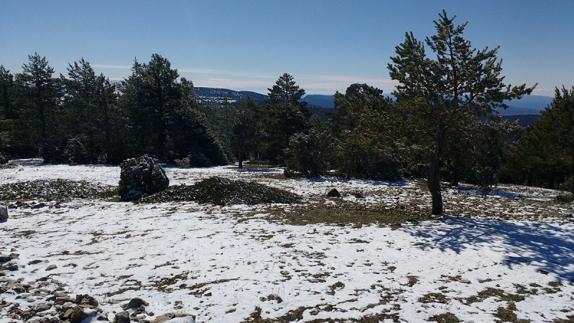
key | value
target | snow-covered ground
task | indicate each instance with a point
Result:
(219, 265)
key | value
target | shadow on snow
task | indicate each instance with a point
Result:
(548, 247)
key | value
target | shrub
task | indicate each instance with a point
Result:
(362, 158)
(75, 152)
(304, 156)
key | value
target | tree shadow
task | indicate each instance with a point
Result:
(548, 247)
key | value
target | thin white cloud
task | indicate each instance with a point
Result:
(240, 80)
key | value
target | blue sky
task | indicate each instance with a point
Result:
(246, 44)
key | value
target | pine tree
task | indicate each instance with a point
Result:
(244, 131)
(544, 156)
(287, 115)
(457, 81)
(41, 95)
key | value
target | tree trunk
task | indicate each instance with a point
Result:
(433, 184)
(433, 181)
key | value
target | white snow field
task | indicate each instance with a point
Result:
(512, 259)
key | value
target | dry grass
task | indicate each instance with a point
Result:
(346, 213)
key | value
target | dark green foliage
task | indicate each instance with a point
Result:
(245, 131)
(544, 156)
(307, 154)
(285, 115)
(367, 129)
(365, 158)
(38, 102)
(76, 152)
(82, 117)
(222, 191)
(163, 116)
(457, 83)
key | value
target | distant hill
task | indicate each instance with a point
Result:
(524, 120)
(528, 105)
(320, 100)
(218, 95)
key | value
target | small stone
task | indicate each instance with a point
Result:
(333, 193)
(74, 315)
(86, 300)
(41, 307)
(135, 303)
(51, 267)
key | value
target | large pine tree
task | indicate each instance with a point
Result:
(453, 83)
(41, 92)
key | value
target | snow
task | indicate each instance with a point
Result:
(221, 266)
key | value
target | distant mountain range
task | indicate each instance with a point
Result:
(217, 95)
(529, 105)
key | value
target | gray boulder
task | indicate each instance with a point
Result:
(141, 177)
(3, 213)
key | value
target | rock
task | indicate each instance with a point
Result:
(141, 177)
(175, 317)
(3, 213)
(4, 258)
(122, 317)
(41, 307)
(358, 195)
(135, 303)
(333, 193)
(10, 266)
(86, 300)
(51, 267)
(74, 315)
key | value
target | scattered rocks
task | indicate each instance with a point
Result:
(358, 195)
(3, 213)
(122, 317)
(222, 191)
(52, 190)
(141, 177)
(10, 266)
(86, 300)
(74, 315)
(333, 193)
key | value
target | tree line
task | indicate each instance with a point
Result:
(441, 125)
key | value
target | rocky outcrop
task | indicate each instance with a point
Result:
(141, 177)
